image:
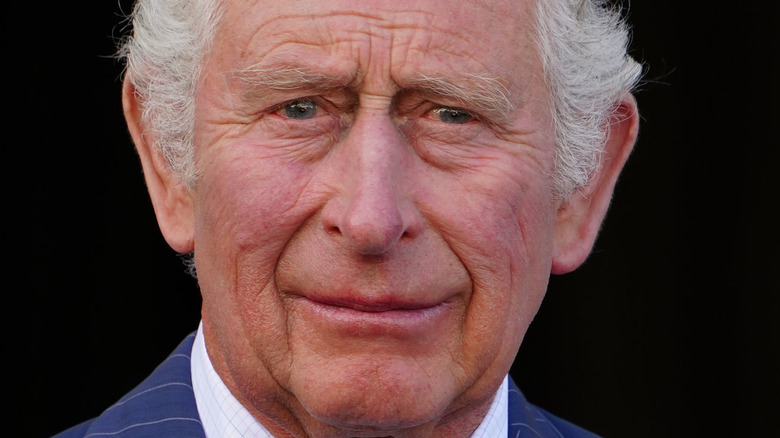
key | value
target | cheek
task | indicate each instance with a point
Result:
(501, 229)
(508, 256)
(247, 208)
(499, 222)
(249, 200)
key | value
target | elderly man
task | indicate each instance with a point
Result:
(375, 194)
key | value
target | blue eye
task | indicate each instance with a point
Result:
(300, 109)
(453, 115)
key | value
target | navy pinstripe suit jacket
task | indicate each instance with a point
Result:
(163, 406)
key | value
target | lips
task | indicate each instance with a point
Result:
(347, 314)
(369, 305)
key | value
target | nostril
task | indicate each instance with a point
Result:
(332, 229)
(331, 217)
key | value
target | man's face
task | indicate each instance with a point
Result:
(373, 218)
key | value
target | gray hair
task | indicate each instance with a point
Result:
(584, 49)
(582, 43)
(164, 57)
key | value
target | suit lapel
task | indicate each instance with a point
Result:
(525, 420)
(528, 421)
(163, 405)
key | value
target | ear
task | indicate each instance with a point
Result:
(579, 218)
(171, 200)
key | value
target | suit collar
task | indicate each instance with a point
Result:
(163, 405)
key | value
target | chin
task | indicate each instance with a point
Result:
(384, 395)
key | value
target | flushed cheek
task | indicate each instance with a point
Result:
(495, 219)
(252, 197)
(251, 206)
(500, 228)
(510, 242)
(509, 286)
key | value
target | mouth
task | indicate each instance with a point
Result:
(371, 305)
(372, 316)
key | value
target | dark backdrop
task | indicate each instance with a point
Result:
(669, 330)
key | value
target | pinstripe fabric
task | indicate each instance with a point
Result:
(528, 421)
(163, 406)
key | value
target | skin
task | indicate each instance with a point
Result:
(371, 269)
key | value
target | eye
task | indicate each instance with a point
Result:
(300, 109)
(453, 115)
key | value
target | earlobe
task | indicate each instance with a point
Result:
(579, 217)
(171, 200)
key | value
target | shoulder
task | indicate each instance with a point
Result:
(564, 428)
(162, 405)
(527, 420)
(77, 431)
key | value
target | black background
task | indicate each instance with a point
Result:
(669, 330)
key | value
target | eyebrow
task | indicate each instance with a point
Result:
(482, 93)
(257, 80)
(485, 94)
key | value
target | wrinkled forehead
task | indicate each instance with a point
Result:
(388, 38)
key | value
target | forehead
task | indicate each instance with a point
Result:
(383, 39)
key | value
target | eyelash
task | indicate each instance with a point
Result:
(457, 115)
(454, 113)
(284, 110)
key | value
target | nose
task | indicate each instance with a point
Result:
(374, 210)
